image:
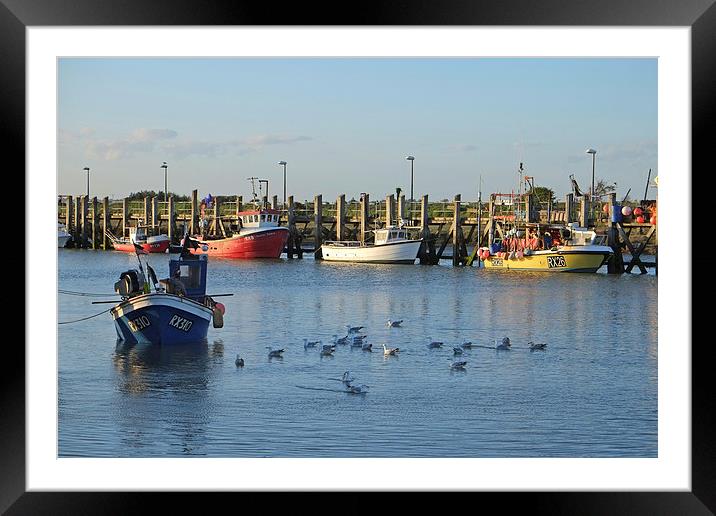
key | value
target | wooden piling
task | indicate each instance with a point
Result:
(426, 252)
(341, 217)
(568, 208)
(125, 217)
(76, 229)
(274, 202)
(389, 209)
(239, 204)
(456, 232)
(364, 205)
(155, 212)
(318, 229)
(194, 224)
(68, 214)
(215, 225)
(145, 211)
(584, 212)
(171, 231)
(401, 208)
(105, 223)
(291, 223)
(84, 207)
(95, 221)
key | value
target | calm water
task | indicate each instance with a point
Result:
(592, 393)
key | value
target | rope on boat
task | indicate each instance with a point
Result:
(84, 294)
(85, 318)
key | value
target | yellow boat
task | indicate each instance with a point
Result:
(578, 254)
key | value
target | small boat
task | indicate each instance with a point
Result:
(392, 245)
(62, 235)
(577, 252)
(139, 235)
(178, 311)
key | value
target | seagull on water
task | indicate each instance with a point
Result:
(342, 340)
(356, 389)
(457, 351)
(394, 324)
(327, 351)
(466, 345)
(328, 347)
(353, 329)
(239, 361)
(347, 378)
(458, 365)
(433, 344)
(504, 345)
(311, 344)
(367, 346)
(274, 353)
(534, 346)
(389, 351)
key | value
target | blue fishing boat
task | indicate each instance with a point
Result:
(177, 311)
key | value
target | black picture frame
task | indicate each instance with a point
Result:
(700, 15)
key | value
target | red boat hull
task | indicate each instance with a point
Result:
(261, 244)
(158, 247)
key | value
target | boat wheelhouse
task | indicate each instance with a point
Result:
(391, 245)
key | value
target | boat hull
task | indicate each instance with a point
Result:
(62, 240)
(399, 252)
(159, 318)
(149, 247)
(554, 261)
(246, 245)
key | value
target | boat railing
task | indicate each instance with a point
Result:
(342, 243)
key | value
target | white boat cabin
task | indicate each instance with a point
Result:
(259, 218)
(389, 235)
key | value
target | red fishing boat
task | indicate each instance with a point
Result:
(138, 235)
(259, 236)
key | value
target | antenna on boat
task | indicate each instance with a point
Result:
(253, 188)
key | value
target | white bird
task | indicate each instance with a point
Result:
(466, 345)
(534, 346)
(356, 389)
(458, 365)
(504, 345)
(389, 351)
(353, 329)
(239, 361)
(311, 344)
(394, 324)
(327, 351)
(347, 378)
(328, 347)
(342, 340)
(367, 346)
(274, 352)
(457, 351)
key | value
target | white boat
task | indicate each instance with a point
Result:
(62, 235)
(392, 245)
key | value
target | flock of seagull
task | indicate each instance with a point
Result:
(356, 340)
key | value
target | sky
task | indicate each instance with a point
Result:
(346, 125)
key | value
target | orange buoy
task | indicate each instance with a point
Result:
(640, 219)
(653, 220)
(221, 307)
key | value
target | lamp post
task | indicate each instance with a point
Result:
(284, 181)
(411, 159)
(164, 166)
(593, 153)
(86, 169)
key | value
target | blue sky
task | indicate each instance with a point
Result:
(345, 125)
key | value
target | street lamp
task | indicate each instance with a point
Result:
(86, 169)
(411, 159)
(593, 153)
(164, 166)
(284, 181)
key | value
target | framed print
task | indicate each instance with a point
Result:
(241, 157)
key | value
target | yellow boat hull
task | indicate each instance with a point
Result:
(569, 261)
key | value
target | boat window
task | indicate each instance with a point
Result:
(253, 218)
(401, 234)
(190, 276)
(275, 218)
(392, 234)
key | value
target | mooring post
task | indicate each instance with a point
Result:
(341, 217)
(425, 252)
(389, 209)
(318, 229)
(239, 204)
(216, 223)
(68, 214)
(568, 208)
(171, 224)
(616, 264)
(491, 221)
(194, 224)
(76, 228)
(145, 211)
(364, 201)
(584, 212)
(95, 220)
(456, 232)
(155, 211)
(105, 223)
(274, 202)
(124, 217)
(291, 223)
(401, 208)
(84, 209)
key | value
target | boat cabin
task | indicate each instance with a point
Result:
(580, 236)
(259, 218)
(390, 234)
(138, 234)
(190, 271)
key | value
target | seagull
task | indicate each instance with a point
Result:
(359, 337)
(274, 352)
(466, 345)
(367, 346)
(346, 378)
(328, 347)
(342, 340)
(504, 345)
(434, 344)
(390, 351)
(239, 361)
(394, 324)
(356, 389)
(327, 351)
(311, 344)
(534, 346)
(458, 365)
(353, 329)
(457, 351)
